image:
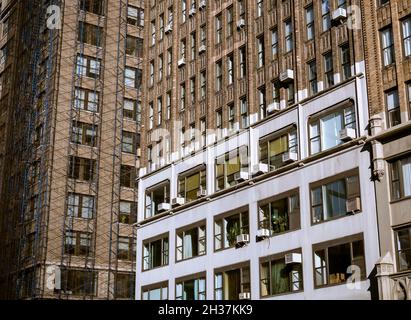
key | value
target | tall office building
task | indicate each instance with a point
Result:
(70, 126)
(388, 47)
(255, 179)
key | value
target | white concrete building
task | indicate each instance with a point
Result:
(211, 229)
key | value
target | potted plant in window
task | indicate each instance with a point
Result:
(233, 230)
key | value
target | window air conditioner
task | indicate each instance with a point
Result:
(240, 24)
(169, 28)
(241, 176)
(242, 240)
(163, 207)
(260, 168)
(347, 134)
(202, 48)
(179, 201)
(263, 234)
(192, 12)
(244, 296)
(291, 258)
(339, 14)
(353, 205)
(202, 4)
(273, 107)
(181, 62)
(286, 76)
(201, 193)
(290, 157)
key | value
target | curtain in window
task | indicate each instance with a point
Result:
(280, 281)
(188, 246)
(386, 39)
(335, 194)
(192, 185)
(330, 130)
(406, 176)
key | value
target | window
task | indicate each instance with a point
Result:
(193, 45)
(93, 6)
(276, 92)
(274, 43)
(86, 100)
(194, 289)
(81, 168)
(126, 248)
(290, 94)
(156, 196)
(161, 26)
(328, 70)
(191, 184)
(135, 16)
(230, 21)
(309, 14)
(280, 215)
(260, 8)
(244, 112)
(312, 77)
(155, 292)
(288, 27)
(203, 35)
(127, 176)
(128, 212)
(275, 151)
(403, 248)
(203, 88)
(87, 66)
(203, 132)
(153, 32)
(159, 110)
(329, 199)
(406, 36)
(331, 261)
(277, 277)
(218, 28)
(155, 253)
(227, 228)
(231, 116)
(168, 105)
(125, 286)
(228, 165)
(183, 11)
(243, 63)
(183, 49)
(182, 97)
(77, 243)
(393, 108)
(132, 77)
(169, 61)
(346, 61)
(228, 284)
(241, 9)
(160, 67)
(219, 75)
(387, 46)
(191, 242)
(84, 133)
(230, 69)
(90, 34)
(262, 106)
(134, 46)
(129, 142)
(193, 90)
(260, 51)
(80, 206)
(325, 131)
(78, 282)
(132, 110)
(325, 12)
(401, 178)
(219, 119)
(151, 115)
